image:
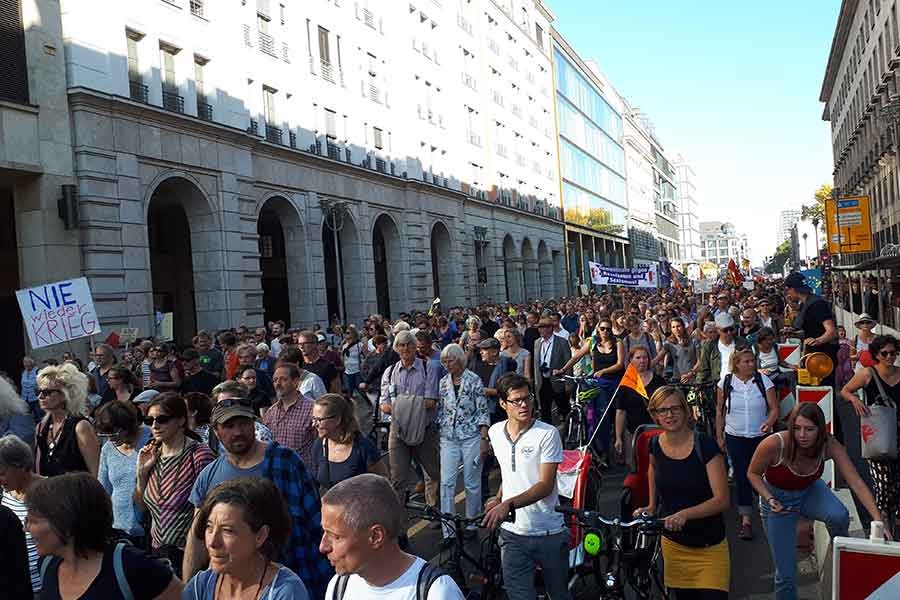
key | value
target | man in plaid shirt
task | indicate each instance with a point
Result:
(245, 456)
(290, 417)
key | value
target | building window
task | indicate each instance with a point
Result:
(269, 104)
(539, 35)
(134, 70)
(197, 8)
(281, 12)
(377, 138)
(330, 124)
(204, 109)
(266, 246)
(171, 99)
(324, 50)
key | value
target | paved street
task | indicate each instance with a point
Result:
(752, 573)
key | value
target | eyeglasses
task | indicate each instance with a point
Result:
(47, 391)
(523, 401)
(667, 410)
(318, 420)
(886, 353)
(161, 419)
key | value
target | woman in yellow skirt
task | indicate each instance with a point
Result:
(687, 476)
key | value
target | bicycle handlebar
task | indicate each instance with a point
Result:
(690, 385)
(429, 513)
(592, 518)
(573, 379)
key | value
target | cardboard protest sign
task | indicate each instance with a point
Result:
(58, 312)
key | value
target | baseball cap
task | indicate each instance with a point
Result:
(229, 408)
(145, 396)
(724, 320)
(320, 337)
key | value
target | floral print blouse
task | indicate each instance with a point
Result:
(461, 413)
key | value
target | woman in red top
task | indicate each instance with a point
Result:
(786, 472)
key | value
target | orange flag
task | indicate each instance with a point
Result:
(632, 380)
(734, 274)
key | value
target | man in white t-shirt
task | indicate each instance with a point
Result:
(362, 519)
(528, 452)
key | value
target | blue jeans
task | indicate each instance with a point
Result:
(520, 554)
(607, 387)
(816, 502)
(468, 453)
(740, 451)
(350, 381)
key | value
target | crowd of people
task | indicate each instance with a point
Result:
(273, 462)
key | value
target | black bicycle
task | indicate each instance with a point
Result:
(577, 430)
(701, 398)
(481, 577)
(623, 555)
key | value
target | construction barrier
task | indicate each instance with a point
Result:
(865, 570)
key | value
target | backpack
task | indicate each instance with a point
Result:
(727, 387)
(118, 567)
(427, 576)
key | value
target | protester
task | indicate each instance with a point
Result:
(265, 359)
(515, 351)
(352, 353)
(463, 418)
(290, 417)
(199, 408)
(16, 477)
(15, 416)
(211, 358)
(631, 406)
(246, 354)
(105, 358)
(715, 354)
(310, 385)
(864, 336)
(258, 397)
(786, 472)
(244, 524)
(64, 439)
(14, 578)
(363, 519)
(687, 474)
(746, 411)
(244, 456)
(196, 378)
(121, 426)
(681, 351)
(167, 467)
(28, 383)
(340, 452)
(529, 453)
(551, 352)
(313, 361)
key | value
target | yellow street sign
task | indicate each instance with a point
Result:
(848, 225)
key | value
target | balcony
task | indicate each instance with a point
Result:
(138, 91)
(474, 139)
(172, 101)
(380, 165)
(254, 127)
(375, 95)
(368, 18)
(267, 44)
(334, 151)
(293, 139)
(327, 71)
(204, 111)
(273, 134)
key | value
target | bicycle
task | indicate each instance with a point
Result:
(700, 398)
(577, 427)
(625, 554)
(485, 579)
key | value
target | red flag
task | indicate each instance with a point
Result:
(734, 274)
(112, 340)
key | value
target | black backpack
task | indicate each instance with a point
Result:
(727, 387)
(427, 576)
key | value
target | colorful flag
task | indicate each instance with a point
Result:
(734, 274)
(631, 379)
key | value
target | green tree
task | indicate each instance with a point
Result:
(815, 212)
(782, 253)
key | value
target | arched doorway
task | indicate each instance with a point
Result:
(283, 281)
(185, 255)
(512, 270)
(441, 265)
(545, 271)
(388, 265)
(13, 348)
(530, 271)
(346, 260)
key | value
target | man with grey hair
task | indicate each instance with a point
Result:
(362, 519)
(409, 393)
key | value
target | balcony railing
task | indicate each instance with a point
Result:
(380, 165)
(368, 18)
(254, 127)
(204, 111)
(293, 139)
(474, 138)
(197, 8)
(327, 71)
(334, 151)
(267, 43)
(172, 101)
(138, 91)
(374, 94)
(273, 134)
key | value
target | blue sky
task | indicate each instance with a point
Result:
(734, 86)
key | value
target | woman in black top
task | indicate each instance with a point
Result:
(122, 386)
(341, 451)
(687, 474)
(64, 440)
(631, 407)
(14, 571)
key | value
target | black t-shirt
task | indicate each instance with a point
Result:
(213, 361)
(484, 370)
(202, 382)
(685, 483)
(817, 312)
(324, 369)
(15, 577)
(530, 337)
(363, 455)
(489, 327)
(635, 405)
(146, 576)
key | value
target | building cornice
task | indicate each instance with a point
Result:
(542, 8)
(838, 44)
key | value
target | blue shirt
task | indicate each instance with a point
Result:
(284, 468)
(29, 385)
(285, 586)
(117, 475)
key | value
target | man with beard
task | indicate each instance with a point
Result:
(290, 417)
(245, 456)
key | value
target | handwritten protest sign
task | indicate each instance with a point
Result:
(128, 335)
(58, 312)
(643, 276)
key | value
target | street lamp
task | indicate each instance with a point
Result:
(334, 211)
(806, 248)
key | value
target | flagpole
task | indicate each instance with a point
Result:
(603, 418)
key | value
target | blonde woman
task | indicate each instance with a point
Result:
(64, 439)
(687, 473)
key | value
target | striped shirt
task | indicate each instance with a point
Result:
(168, 490)
(19, 508)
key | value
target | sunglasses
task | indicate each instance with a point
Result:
(47, 391)
(886, 353)
(161, 419)
(603, 329)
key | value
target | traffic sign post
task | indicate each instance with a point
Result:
(865, 570)
(848, 224)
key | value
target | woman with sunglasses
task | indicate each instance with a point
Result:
(166, 470)
(786, 471)
(341, 452)
(120, 426)
(687, 473)
(883, 377)
(64, 439)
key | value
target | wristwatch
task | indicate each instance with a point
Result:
(485, 438)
